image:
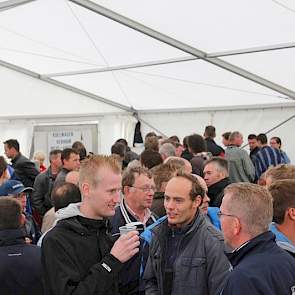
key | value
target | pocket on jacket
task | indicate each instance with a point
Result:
(193, 261)
(192, 275)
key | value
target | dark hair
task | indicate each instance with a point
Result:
(128, 177)
(174, 138)
(118, 149)
(197, 189)
(210, 131)
(226, 135)
(66, 154)
(10, 213)
(79, 147)
(150, 159)
(197, 143)
(262, 138)
(150, 134)
(252, 136)
(12, 143)
(282, 192)
(3, 165)
(277, 139)
(123, 141)
(64, 195)
(54, 153)
(185, 142)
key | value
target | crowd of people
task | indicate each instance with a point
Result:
(180, 218)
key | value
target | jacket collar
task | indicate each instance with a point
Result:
(220, 185)
(249, 247)
(12, 237)
(164, 227)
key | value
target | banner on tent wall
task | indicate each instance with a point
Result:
(63, 139)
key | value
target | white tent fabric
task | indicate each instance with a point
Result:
(108, 59)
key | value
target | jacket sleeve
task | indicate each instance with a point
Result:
(248, 167)
(61, 274)
(218, 266)
(38, 195)
(150, 277)
(239, 284)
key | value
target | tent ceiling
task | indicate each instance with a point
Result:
(58, 36)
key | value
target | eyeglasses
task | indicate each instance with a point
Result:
(145, 189)
(219, 214)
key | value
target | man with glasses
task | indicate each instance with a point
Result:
(259, 265)
(138, 189)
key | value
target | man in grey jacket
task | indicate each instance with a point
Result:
(186, 253)
(241, 168)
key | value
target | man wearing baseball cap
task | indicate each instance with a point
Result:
(16, 189)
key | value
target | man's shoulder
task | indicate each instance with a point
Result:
(62, 227)
(209, 232)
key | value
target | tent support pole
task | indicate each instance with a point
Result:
(65, 86)
(12, 4)
(173, 60)
(182, 46)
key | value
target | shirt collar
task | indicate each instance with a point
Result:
(147, 214)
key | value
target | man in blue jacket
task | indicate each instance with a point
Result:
(259, 265)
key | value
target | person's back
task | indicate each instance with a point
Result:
(257, 264)
(266, 156)
(260, 266)
(241, 168)
(20, 267)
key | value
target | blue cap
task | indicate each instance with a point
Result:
(13, 187)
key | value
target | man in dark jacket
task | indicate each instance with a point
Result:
(41, 196)
(70, 162)
(212, 147)
(17, 190)
(20, 267)
(260, 266)
(186, 253)
(78, 254)
(138, 187)
(216, 178)
(25, 170)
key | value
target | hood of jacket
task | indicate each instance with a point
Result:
(71, 210)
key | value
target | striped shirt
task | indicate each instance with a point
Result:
(265, 157)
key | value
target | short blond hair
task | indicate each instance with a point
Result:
(280, 172)
(90, 167)
(252, 204)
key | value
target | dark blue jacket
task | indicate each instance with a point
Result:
(20, 265)
(261, 267)
(130, 274)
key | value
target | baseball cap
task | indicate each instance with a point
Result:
(13, 187)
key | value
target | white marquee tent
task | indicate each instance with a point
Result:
(177, 66)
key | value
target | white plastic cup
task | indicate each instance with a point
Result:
(125, 229)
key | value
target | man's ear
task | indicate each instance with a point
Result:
(198, 201)
(85, 189)
(237, 226)
(126, 189)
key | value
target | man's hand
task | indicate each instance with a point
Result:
(126, 246)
